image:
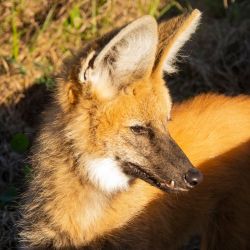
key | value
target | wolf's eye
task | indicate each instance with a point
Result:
(138, 130)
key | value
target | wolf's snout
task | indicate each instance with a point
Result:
(193, 177)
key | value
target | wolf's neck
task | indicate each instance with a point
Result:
(78, 207)
(86, 213)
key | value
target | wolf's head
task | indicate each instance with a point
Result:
(117, 107)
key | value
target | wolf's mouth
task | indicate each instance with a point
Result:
(165, 185)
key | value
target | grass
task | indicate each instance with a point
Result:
(36, 36)
(43, 32)
(15, 37)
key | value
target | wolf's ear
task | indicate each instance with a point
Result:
(129, 56)
(172, 36)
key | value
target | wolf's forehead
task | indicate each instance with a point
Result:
(156, 107)
(153, 105)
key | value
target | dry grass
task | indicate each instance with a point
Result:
(35, 36)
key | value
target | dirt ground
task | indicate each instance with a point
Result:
(35, 36)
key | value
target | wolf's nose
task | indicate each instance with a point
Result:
(193, 177)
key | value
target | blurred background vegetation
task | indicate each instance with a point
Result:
(35, 36)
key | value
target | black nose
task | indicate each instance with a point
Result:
(193, 177)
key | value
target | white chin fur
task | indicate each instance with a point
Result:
(107, 175)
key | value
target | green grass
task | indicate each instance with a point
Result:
(74, 19)
(15, 36)
(20, 143)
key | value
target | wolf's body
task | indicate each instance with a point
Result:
(104, 154)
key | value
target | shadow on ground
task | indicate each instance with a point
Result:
(20, 118)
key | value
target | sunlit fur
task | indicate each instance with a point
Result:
(67, 206)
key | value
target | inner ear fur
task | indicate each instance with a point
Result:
(127, 57)
(173, 34)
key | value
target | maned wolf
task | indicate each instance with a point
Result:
(104, 156)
